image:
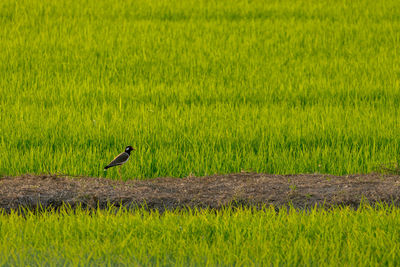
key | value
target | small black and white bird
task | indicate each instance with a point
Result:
(120, 159)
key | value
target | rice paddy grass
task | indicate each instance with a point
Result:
(243, 237)
(199, 87)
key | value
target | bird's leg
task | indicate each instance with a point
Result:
(119, 171)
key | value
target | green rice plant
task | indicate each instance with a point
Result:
(368, 236)
(199, 86)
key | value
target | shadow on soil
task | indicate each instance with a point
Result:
(248, 189)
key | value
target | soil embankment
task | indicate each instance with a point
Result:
(303, 190)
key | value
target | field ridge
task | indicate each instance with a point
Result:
(216, 191)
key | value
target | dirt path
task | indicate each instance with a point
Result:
(303, 190)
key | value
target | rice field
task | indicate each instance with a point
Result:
(243, 237)
(200, 87)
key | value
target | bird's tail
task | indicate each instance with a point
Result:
(106, 167)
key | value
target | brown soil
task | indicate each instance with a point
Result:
(303, 190)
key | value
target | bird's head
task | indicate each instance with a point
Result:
(128, 149)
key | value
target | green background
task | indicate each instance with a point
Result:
(199, 87)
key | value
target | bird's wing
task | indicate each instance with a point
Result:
(118, 160)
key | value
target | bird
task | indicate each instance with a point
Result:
(120, 159)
